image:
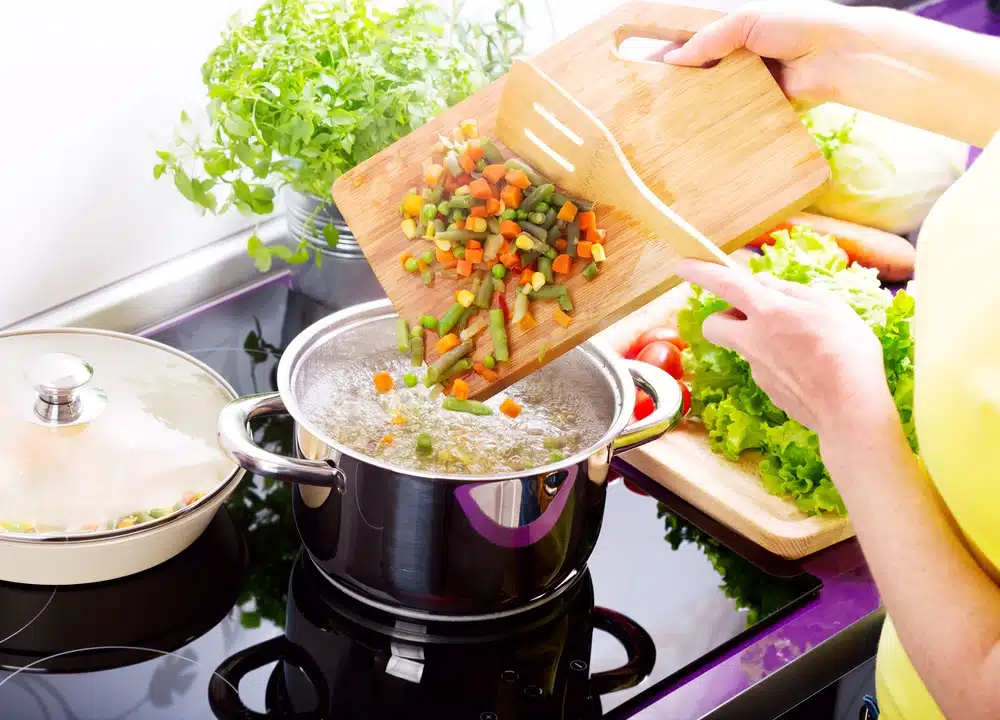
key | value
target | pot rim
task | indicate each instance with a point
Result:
(366, 312)
(202, 503)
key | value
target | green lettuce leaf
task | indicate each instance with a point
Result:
(739, 416)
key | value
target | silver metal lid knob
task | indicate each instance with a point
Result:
(58, 379)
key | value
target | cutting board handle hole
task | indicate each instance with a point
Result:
(635, 43)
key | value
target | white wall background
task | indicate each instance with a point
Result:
(91, 88)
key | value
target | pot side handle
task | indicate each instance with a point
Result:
(667, 397)
(237, 441)
(639, 648)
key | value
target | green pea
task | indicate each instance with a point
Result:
(508, 214)
(427, 256)
(458, 251)
(489, 362)
(429, 321)
(411, 265)
(410, 380)
(542, 207)
(499, 271)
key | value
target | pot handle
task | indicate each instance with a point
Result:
(639, 647)
(224, 687)
(666, 394)
(237, 440)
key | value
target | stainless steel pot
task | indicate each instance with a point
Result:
(433, 547)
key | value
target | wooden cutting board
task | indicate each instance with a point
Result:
(721, 146)
(731, 493)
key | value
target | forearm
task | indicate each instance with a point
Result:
(943, 605)
(925, 74)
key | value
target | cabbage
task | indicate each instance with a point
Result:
(886, 175)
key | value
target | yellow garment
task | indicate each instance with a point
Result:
(957, 391)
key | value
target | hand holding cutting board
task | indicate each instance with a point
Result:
(720, 148)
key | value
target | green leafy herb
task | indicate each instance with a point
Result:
(308, 89)
(738, 414)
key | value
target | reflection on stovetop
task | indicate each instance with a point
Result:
(151, 646)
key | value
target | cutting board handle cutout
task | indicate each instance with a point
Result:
(654, 21)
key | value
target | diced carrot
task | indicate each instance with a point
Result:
(560, 244)
(383, 382)
(587, 220)
(446, 258)
(509, 228)
(473, 256)
(464, 267)
(464, 179)
(561, 318)
(567, 212)
(526, 276)
(473, 245)
(480, 188)
(478, 211)
(447, 342)
(595, 236)
(484, 372)
(510, 408)
(460, 224)
(413, 204)
(492, 206)
(432, 176)
(451, 183)
(461, 389)
(505, 248)
(466, 161)
(475, 152)
(583, 249)
(518, 179)
(509, 259)
(527, 322)
(421, 265)
(403, 258)
(388, 439)
(187, 498)
(494, 173)
(511, 196)
(562, 264)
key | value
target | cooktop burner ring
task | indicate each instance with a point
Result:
(421, 616)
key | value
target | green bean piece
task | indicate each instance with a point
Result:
(421, 229)
(410, 380)
(535, 196)
(460, 236)
(565, 302)
(429, 321)
(542, 207)
(480, 166)
(521, 215)
(438, 368)
(467, 313)
(458, 251)
(498, 286)
(402, 336)
(411, 265)
(444, 207)
(551, 253)
(529, 257)
(460, 368)
(456, 216)
(499, 271)
(467, 406)
(572, 238)
(425, 445)
(556, 456)
(559, 199)
(535, 231)
(554, 233)
(536, 218)
(485, 292)
(417, 330)
(545, 268)
(489, 362)
(591, 271)
(416, 351)
(534, 177)
(498, 333)
(550, 219)
(553, 443)
(463, 202)
(157, 513)
(490, 152)
(447, 321)
(427, 276)
(508, 214)
(548, 291)
(520, 307)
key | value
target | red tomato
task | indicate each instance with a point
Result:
(657, 334)
(664, 356)
(686, 395)
(643, 405)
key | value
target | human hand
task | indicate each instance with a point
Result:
(811, 353)
(813, 46)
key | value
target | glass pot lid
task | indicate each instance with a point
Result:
(102, 431)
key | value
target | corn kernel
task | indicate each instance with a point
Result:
(470, 128)
(597, 253)
(476, 224)
(537, 280)
(430, 232)
(465, 298)
(409, 228)
(524, 242)
(443, 245)
(463, 190)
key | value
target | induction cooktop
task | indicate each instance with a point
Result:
(241, 624)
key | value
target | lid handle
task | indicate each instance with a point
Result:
(58, 378)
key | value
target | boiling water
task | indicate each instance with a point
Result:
(559, 412)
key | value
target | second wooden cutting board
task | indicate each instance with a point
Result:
(721, 146)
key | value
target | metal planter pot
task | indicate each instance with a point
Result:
(445, 547)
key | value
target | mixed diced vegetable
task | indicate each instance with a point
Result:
(126, 521)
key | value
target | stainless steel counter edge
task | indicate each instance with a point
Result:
(164, 291)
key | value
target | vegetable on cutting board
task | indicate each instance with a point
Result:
(893, 256)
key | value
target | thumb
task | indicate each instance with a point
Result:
(714, 41)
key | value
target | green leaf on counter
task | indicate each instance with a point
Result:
(331, 234)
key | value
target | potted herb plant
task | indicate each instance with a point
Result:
(308, 89)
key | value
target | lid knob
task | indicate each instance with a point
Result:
(57, 378)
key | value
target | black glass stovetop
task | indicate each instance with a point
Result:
(244, 602)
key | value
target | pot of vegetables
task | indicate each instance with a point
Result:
(433, 508)
(111, 464)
